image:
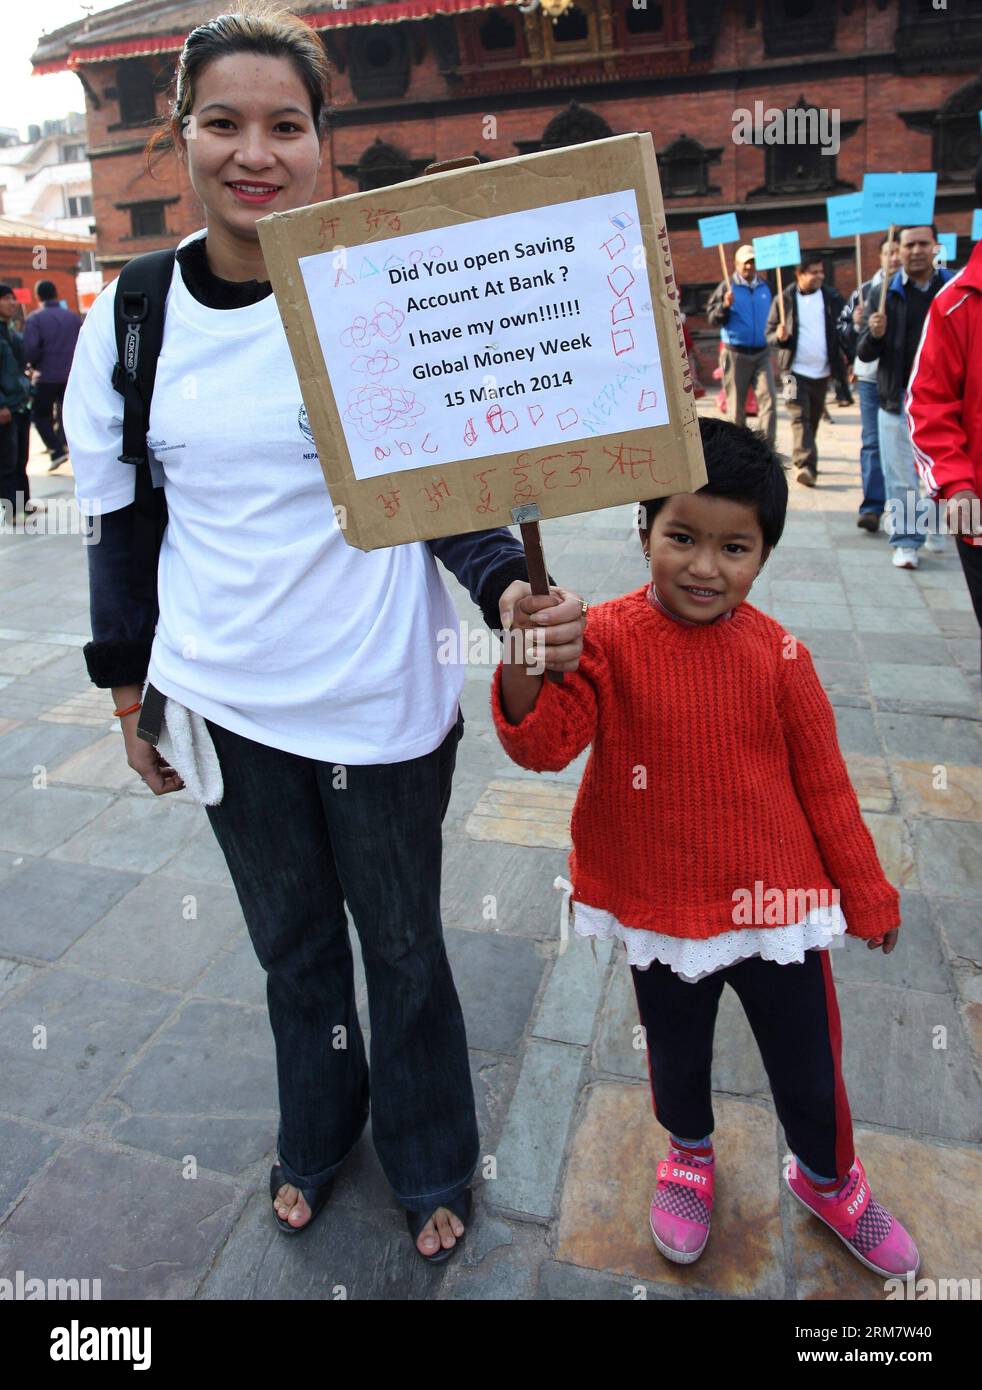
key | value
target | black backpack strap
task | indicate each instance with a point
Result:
(141, 292)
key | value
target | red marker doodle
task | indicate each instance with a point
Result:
(374, 216)
(435, 494)
(328, 226)
(501, 421)
(390, 501)
(374, 411)
(485, 500)
(566, 418)
(470, 433)
(629, 458)
(376, 365)
(623, 340)
(434, 450)
(536, 413)
(620, 280)
(614, 247)
(649, 398)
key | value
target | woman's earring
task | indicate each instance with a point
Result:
(647, 558)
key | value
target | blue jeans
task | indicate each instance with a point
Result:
(869, 453)
(301, 839)
(900, 479)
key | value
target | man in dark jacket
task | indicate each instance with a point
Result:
(808, 353)
(891, 339)
(739, 310)
(50, 335)
(15, 413)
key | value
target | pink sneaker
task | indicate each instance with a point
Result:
(681, 1206)
(876, 1238)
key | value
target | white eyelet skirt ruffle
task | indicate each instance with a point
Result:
(695, 959)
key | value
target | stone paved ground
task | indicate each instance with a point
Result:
(121, 936)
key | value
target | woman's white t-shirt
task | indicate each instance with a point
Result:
(270, 624)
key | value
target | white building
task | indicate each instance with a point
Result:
(46, 180)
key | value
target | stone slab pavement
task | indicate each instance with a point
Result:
(138, 1100)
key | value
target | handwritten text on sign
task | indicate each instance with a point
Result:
(489, 336)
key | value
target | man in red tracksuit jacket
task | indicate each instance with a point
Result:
(944, 407)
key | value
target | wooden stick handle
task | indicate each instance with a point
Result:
(886, 277)
(722, 261)
(538, 574)
(780, 296)
(859, 271)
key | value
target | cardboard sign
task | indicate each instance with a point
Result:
(485, 338)
(949, 241)
(720, 230)
(899, 200)
(780, 249)
(847, 215)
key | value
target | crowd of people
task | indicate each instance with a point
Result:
(35, 362)
(912, 364)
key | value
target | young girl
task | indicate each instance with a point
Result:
(715, 807)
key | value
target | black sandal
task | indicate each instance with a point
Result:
(461, 1207)
(315, 1197)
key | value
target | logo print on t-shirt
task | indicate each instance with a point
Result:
(304, 424)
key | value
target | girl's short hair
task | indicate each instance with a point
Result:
(255, 27)
(740, 465)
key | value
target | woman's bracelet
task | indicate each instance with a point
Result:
(130, 709)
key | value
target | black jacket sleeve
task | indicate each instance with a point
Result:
(485, 563)
(122, 627)
(846, 329)
(868, 348)
(717, 313)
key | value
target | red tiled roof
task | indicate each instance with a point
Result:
(74, 51)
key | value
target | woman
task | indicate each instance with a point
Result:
(314, 665)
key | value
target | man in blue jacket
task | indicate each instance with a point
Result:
(740, 312)
(50, 335)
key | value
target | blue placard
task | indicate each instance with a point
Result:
(718, 231)
(949, 240)
(845, 214)
(899, 200)
(849, 216)
(977, 225)
(980, 118)
(780, 249)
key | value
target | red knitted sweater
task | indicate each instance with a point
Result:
(715, 776)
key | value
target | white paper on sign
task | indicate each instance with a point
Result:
(504, 333)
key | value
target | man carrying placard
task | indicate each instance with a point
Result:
(891, 340)
(874, 498)
(809, 350)
(739, 309)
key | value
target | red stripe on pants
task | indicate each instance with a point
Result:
(845, 1153)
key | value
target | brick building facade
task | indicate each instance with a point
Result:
(411, 85)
